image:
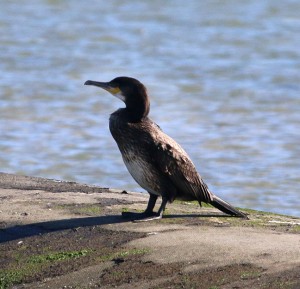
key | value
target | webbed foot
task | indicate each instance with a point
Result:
(141, 217)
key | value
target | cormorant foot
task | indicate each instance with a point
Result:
(141, 217)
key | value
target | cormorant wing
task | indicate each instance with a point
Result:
(174, 163)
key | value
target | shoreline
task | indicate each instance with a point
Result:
(80, 240)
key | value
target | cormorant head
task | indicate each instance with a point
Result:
(129, 90)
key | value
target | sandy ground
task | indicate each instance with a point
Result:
(56, 234)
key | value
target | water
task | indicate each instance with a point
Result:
(223, 78)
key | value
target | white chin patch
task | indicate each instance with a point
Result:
(119, 95)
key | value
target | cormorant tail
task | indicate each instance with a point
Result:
(226, 208)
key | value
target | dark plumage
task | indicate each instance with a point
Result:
(155, 160)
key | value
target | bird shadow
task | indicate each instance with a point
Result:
(29, 230)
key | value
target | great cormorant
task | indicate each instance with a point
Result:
(156, 162)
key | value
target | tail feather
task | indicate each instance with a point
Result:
(226, 207)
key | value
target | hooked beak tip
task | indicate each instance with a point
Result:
(88, 82)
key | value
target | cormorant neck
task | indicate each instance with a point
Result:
(137, 107)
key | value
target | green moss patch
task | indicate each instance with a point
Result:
(81, 209)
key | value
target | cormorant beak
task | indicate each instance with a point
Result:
(114, 90)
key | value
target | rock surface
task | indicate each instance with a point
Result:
(56, 234)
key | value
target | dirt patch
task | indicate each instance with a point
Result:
(134, 270)
(289, 279)
(212, 278)
(36, 258)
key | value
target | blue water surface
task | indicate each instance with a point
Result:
(223, 77)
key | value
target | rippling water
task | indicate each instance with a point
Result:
(223, 78)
